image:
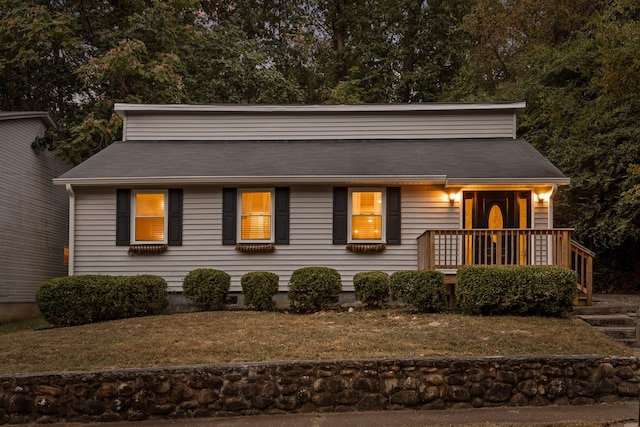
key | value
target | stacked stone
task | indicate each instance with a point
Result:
(324, 386)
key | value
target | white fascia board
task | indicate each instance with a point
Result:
(16, 115)
(181, 180)
(122, 109)
(457, 182)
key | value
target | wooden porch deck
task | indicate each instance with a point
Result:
(448, 250)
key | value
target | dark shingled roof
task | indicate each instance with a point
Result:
(498, 158)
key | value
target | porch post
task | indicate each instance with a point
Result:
(589, 283)
(421, 251)
(426, 250)
(565, 259)
(431, 250)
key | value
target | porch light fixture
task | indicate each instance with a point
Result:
(454, 197)
(542, 197)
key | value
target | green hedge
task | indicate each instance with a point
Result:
(372, 287)
(258, 288)
(522, 291)
(312, 289)
(207, 288)
(136, 296)
(400, 284)
(424, 290)
(77, 300)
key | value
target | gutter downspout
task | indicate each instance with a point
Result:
(72, 228)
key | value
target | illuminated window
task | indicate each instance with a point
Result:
(366, 219)
(256, 211)
(149, 221)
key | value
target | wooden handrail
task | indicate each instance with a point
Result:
(582, 264)
(448, 250)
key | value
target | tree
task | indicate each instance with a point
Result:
(575, 62)
(287, 36)
(235, 69)
(393, 51)
(575, 67)
(140, 66)
(154, 52)
(39, 51)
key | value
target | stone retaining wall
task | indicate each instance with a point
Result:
(322, 386)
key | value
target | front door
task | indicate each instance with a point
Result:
(500, 211)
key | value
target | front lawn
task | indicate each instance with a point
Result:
(247, 336)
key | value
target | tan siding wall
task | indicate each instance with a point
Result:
(33, 213)
(310, 237)
(326, 126)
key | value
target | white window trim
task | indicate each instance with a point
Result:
(133, 217)
(239, 214)
(383, 236)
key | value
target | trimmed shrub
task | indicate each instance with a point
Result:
(424, 290)
(77, 300)
(258, 288)
(313, 289)
(521, 291)
(372, 287)
(69, 301)
(428, 293)
(135, 296)
(400, 284)
(207, 288)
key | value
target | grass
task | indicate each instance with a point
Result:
(247, 336)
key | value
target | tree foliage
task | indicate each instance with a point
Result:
(575, 62)
(577, 68)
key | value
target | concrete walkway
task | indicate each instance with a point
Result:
(610, 414)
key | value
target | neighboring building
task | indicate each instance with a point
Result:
(353, 187)
(34, 214)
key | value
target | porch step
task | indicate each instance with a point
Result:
(606, 320)
(605, 309)
(620, 333)
(616, 320)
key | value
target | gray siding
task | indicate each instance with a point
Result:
(326, 126)
(423, 207)
(310, 237)
(33, 212)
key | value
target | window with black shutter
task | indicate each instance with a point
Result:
(367, 216)
(255, 216)
(149, 217)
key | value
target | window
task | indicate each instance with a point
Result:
(374, 213)
(256, 213)
(262, 217)
(150, 217)
(366, 215)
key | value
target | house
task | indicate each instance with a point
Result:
(33, 214)
(278, 187)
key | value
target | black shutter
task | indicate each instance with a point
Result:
(393, 216)
(282, 216)
(175, 217)
(123, 221)
(229, 224)
(340, 204)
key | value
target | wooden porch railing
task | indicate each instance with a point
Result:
(448, 250)
(582, 264)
